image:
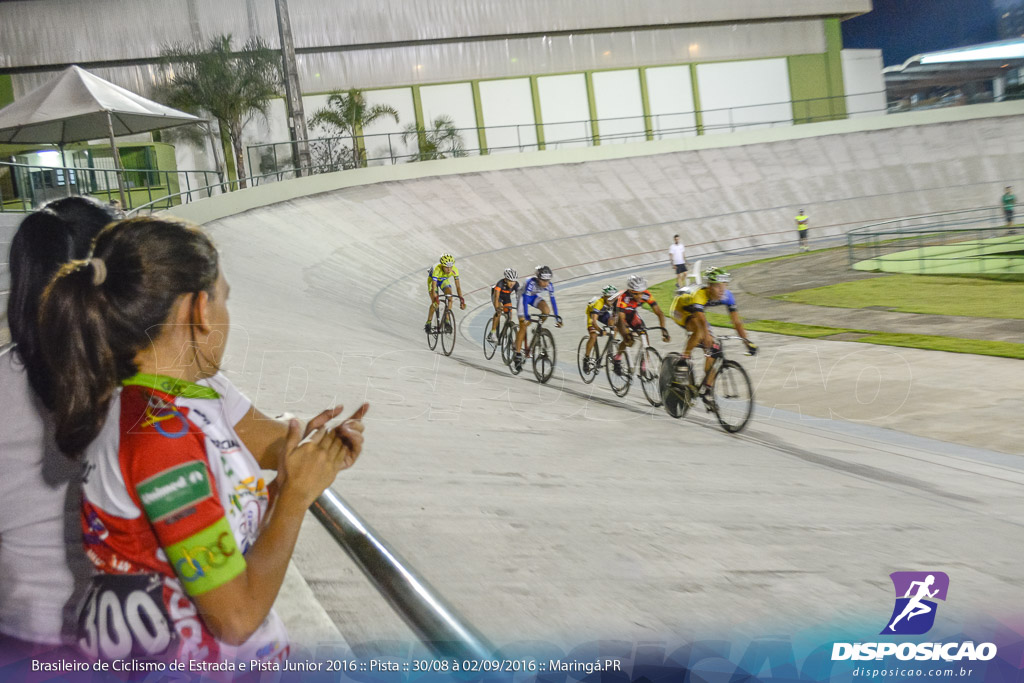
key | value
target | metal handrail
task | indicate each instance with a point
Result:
(436, 623)
(649, 129)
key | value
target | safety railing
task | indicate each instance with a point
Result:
(343, 152)
(910, 240)
(24, 187)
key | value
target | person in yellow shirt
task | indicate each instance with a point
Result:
(802, 223)
(599, 312)
(439, 279)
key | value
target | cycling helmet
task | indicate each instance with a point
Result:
(544, 272)
(636, 283)
(511, 274)
(447, 260)
(713, 275)
(609, 290)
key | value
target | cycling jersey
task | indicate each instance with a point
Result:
(531, 293)
(686, 304)
(630, 301)
(441, 279)
(172, 501)
(602, 307)
(504, 291)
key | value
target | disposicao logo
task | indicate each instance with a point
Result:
(914, 615)
(916, 592)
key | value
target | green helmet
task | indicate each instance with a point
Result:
(608, 290)
(713, 274)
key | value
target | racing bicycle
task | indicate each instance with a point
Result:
(731, 396)
(540, 347)
(443, 326)
(598, 358)
(509, 327)
(647, 367)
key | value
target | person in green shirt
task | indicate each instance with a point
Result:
(1009, 199)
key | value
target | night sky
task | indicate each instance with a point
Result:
(904, 28)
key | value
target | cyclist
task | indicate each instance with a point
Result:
(439, 279)
(687, 311)
(599, 312)
(627, 317)
(536, 288)
(501, 297)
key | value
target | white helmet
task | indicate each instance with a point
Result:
(636, 283)
(511, 274)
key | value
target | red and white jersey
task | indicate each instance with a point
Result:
(172, 501)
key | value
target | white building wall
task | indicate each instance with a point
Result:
(617, 99)
(508, 115)
(670, 98)
(863, 82)
(743, 95)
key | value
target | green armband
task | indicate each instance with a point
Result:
(207, 559)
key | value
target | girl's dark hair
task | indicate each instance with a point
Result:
(59, 232)
(92, 332)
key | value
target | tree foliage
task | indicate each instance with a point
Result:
(215, 81)
(348, 113)
(441, 141)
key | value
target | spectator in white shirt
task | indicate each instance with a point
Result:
(677, 251)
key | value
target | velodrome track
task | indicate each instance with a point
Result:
(562, 513)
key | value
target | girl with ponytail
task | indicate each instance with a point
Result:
(175, 512)
(43, 569)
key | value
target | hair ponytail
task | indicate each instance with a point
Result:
(79, 354)
(98, 314)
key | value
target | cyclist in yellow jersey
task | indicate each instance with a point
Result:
(599, 312)
(439, 279)
(687, 311)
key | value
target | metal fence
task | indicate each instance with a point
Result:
(24, 187)
(910, 241)
(274, 161)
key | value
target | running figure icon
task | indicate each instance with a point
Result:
(916, 595)
(915, 607)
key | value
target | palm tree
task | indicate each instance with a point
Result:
(348, 113)
(441, 141)
(226, 85)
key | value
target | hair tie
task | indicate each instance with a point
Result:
(99, 271)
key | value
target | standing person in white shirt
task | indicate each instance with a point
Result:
(43, 568)
(677, 252)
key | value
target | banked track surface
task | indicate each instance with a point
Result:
(562, 513)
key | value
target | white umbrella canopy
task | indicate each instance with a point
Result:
(73, 107)
(77, 106)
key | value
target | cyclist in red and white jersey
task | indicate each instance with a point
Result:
(627, 314)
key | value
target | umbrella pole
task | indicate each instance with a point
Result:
(117, 162)
(64, 169)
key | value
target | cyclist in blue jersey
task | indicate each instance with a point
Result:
(535, 291)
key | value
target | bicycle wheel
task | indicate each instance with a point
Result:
(507, 342)
(489, 348)
(673, 391)
(650, 367)
(734, 397)
(621, 380)
(448, 330)
(543, 356)
(432, 334)
(581, 355)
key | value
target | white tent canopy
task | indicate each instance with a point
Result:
(73, 107)
(77, 106)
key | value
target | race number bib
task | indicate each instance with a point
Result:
(124, 616)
